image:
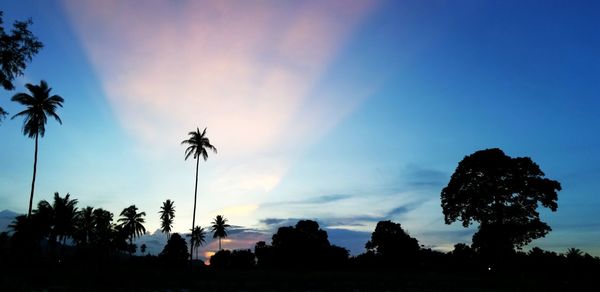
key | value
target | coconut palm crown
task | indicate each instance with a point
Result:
(39, 105)
(219, 228)
(167, 213)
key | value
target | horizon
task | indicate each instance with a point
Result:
(346, 114)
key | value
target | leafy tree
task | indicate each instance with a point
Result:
(143, 248)
(302, 245)
(198, 238)
(502, 194)
(175, 250)
(221, 259)
(219, 228)
(167, 213)
(16, 50)
(132, 222)
(39, 105)
(242, 259)
(392, 243)
(199, 145)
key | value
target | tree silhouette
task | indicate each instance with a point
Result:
(175, 251)
(199, 145)
(198, 238)
(219, 228)
(574, 254)
(65, 214)
(132, 222)
(84, 227)
(57, 220)
(392, 243)
(502, 194)
(303, 245)
(16, 50)
(143, 248)
(167, 213)
(39, 105)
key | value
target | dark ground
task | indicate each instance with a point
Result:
(135, 277)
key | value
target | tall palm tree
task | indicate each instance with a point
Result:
(167, 213)
(199, 145)
(198, 237)
(39, 105)
(132, 222)
(219, 228)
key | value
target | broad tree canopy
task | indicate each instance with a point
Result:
(502, 194)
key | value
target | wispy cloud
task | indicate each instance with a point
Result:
(250, 71)
(309, 201)
(247, 70)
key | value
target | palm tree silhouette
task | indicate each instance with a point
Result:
(59, 219)
(167, 213)
(132, 223)
(219, 228)
(65, 216)
(85, 226)
(39, 105)
(198, 146)
(199, 237)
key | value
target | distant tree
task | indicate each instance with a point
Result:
(39, 105)
(502, 194)
(175, 251)
(143, 248)
(221, 259)
(197, 238)
(574, 254)
(199, 145)
(103, 232)
(392, 243)
(65, 216)
(219, 228)
(59, 219)
(242, 259)
(167, 213)
(132, 222)
(84, 227)
(16, 50)
(303, 245)
(236, 259)
(462, 250)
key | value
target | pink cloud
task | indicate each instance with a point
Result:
(246, 69)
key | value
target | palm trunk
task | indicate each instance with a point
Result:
(33, 180)
(194, 214)
(219, 243)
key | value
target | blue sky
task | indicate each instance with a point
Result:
(347, 113)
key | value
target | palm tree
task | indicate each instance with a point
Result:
(65, 216)
(59, 219)
(219, 228)
(573, 253)
(132, 223)
(199, 237)
(199, 145)
(39, 105)
(85, 226)
(167, 213)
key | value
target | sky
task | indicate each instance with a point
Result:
(344, 112)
